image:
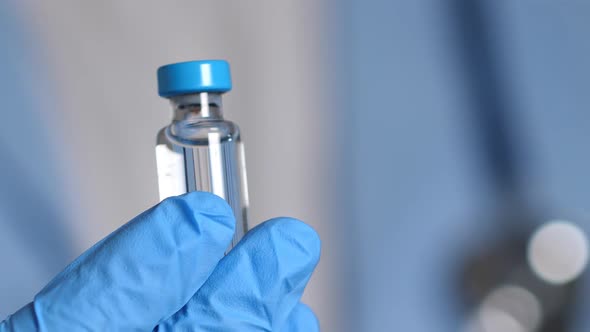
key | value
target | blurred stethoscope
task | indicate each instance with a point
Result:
(524, 279)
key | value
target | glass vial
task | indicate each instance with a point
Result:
(200, 150)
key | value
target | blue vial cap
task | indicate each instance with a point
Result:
(193, 77)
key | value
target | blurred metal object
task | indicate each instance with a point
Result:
(500, 290)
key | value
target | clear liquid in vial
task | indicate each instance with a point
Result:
(212, 163)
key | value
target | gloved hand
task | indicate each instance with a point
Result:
(165, 271)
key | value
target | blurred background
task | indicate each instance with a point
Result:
(438, 147)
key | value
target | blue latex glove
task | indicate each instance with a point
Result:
(165, 271)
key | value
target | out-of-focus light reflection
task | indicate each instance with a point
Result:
(495, 320)
(558, 252)
(507, 309)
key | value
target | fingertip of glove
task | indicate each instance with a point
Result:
(302, 318)
(299, 234)
(204, 203)
(305, 311)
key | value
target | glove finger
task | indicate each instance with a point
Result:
(142, 273)
(301, 319)
(257, 285)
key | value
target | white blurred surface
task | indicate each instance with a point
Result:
(558, 252)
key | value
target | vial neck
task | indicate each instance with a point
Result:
(196, 107)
